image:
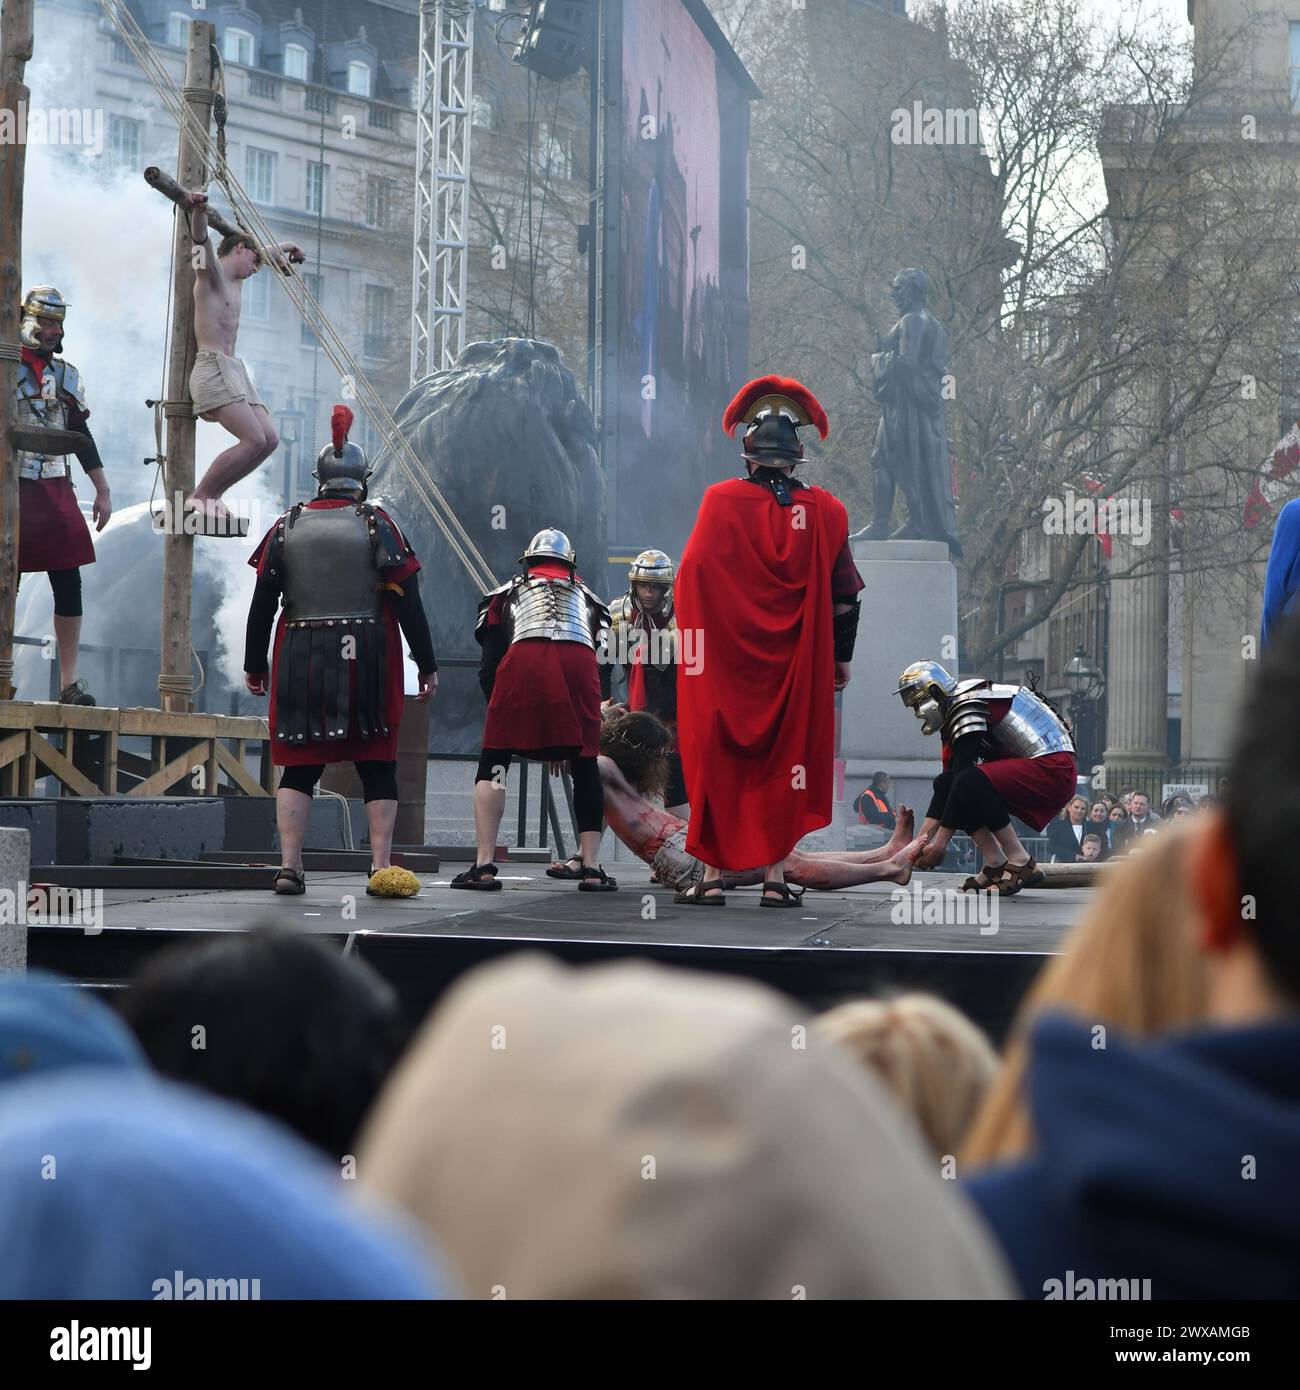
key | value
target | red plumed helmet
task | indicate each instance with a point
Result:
(340, 423)
(780, 395)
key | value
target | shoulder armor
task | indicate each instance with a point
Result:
(69, 380)
(388, 547)
(486, 601)
(975, 683)
(967, 712)
(600, 610)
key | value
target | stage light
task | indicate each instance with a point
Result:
(557, 36)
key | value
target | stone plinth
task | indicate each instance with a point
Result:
(15, 867)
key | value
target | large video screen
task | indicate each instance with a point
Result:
(683, 284)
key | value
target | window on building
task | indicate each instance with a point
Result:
(554, 151)
(124, 141)
(481, 112)
(237, 47)
(178, 29)
(314, 287)
(295, 61)
(380, 193)
(1295, 68)
(317, 182)
(257, 297)
(359, 79)
(379, 313)
(259, 174)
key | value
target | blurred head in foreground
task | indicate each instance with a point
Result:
(50, 1025)
(629, 1131)
(1131, 963)
(276, 1021)
(934, 1060)
(125, 1186)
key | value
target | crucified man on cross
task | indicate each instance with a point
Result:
(219, 383)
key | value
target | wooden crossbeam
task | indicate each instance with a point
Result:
(50, 758)
(168, 776)
(236, 770)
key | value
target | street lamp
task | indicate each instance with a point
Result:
(290, 422)
(1087, 684)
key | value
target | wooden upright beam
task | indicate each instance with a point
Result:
(176, 677)
(15, 54)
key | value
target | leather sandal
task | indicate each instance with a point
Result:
(790, 895)
(566, 871)
(702, 894)
(480, 878)
(597, 881)
(993, 873)
(1020, 876)
(289, 882)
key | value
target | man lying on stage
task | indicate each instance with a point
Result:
(349, 580)
(219, 384)
(1006, 752)
(634, 750)
(540, 634)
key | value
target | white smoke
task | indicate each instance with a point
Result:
(103, 237)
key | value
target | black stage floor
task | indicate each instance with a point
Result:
(834, 945)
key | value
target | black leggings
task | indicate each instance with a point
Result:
(66, 585)
(588, 798)
(378, 779)
(967, 801)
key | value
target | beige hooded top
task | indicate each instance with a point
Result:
(630, 1131)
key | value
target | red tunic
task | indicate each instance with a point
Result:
(546, 695)
(756, 706)
(1033, 789)
(52, 533)
(354, 748)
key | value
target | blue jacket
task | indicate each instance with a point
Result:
(1173, 1161)
(1282, 577)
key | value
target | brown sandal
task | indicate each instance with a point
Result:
(1020, 876)
(994, 873)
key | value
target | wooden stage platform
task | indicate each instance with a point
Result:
(81, 746)
(835, 945)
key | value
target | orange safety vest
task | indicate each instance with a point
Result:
(881, 806)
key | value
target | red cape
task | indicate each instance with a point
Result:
(756, 723)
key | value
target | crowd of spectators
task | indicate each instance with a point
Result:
(258, 1115)
(1106, 826)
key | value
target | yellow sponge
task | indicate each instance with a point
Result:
(394, 883)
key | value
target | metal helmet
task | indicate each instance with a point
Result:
(924, 686)
(652, 567)
(549, 544)
(40, 302)
(345, 470)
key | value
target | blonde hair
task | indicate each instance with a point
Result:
(933, 1058)
(1131, 963)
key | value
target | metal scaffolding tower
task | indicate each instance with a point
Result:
(439, 274)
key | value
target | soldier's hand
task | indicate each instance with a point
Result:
(255, 685)
(428, 686)
(841, 674)
(102, 509)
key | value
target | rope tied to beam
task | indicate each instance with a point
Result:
(10, 352)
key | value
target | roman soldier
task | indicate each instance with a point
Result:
(643, 644)
(1006, 752)
(768, 589)
(543, 638)
(347, 582)
(50, 424)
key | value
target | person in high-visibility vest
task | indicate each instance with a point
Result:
(873, 806)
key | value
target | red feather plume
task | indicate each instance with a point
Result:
(340, 424)
(794, 391)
